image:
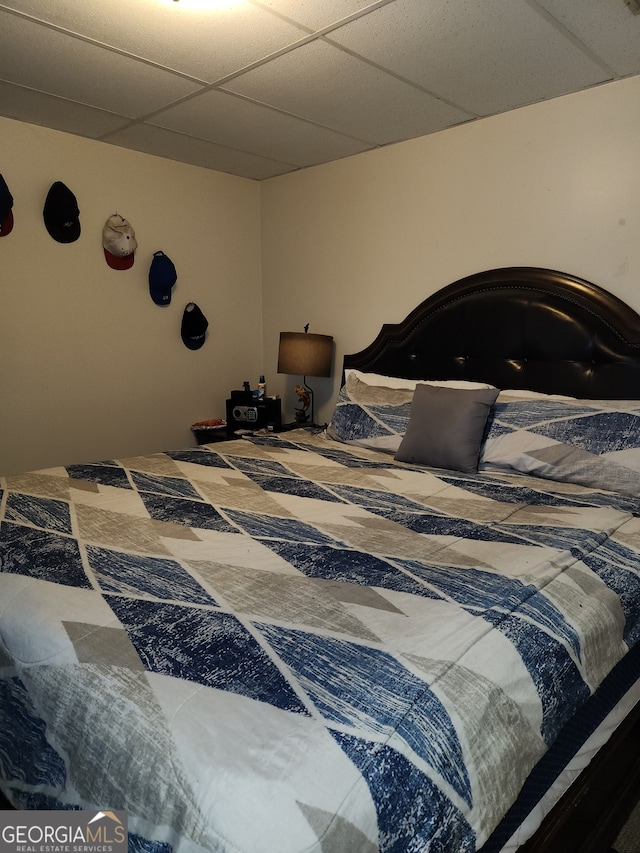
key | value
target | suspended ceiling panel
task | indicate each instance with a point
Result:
(259, 88)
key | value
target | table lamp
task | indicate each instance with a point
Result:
(304, 354)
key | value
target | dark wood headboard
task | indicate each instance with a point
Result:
(517, 327)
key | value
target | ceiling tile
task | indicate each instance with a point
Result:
(57, 113)
(239, 123)
(330, 87)
(607, 27)
(485, 57)
(175, 146)
(50, 61)
(317, 16)
(206, 45)
(294, 83)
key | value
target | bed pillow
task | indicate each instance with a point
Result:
(511, 394)
(373, 410)
(446, 427)
(594, 443)
(373, 416)
(379, 379)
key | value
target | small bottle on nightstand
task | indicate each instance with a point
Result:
(262, 388)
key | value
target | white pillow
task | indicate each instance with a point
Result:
(379, 379)
(510, 394)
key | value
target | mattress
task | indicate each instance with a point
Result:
(291, 644)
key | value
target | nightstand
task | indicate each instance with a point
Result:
(204, 434)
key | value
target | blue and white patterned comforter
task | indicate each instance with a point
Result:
(287, 644)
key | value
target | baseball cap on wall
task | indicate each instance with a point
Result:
(194, 326)
(162, 277)
(61, 214)
(119, 242)
(6, 209)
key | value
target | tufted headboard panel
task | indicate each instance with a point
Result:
(517, 327)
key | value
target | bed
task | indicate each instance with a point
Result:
(416, 630)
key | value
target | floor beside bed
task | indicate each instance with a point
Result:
(628, 841)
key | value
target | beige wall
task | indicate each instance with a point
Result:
(90, 367)
(352, 244)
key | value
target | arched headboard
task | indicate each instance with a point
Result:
(516, 327)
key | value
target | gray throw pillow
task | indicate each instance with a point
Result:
(446, 427)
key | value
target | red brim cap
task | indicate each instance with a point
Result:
(6, 227)
(117, 263)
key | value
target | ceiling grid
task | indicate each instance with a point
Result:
(265, 87)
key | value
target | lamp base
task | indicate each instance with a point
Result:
(305, 398)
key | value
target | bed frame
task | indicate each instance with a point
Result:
(540, 330)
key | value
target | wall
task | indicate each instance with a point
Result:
(90, 367)
(355, 243)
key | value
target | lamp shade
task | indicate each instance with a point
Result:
(304, 354)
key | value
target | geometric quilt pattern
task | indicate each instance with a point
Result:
(594, 443)
(287, 643)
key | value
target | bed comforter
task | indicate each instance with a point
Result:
(285, 644)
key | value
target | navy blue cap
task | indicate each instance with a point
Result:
(162, 277)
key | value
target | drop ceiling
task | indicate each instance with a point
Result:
(259, 88)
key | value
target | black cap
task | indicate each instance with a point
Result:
(61, 214)
(6, 209)
(194, 326)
